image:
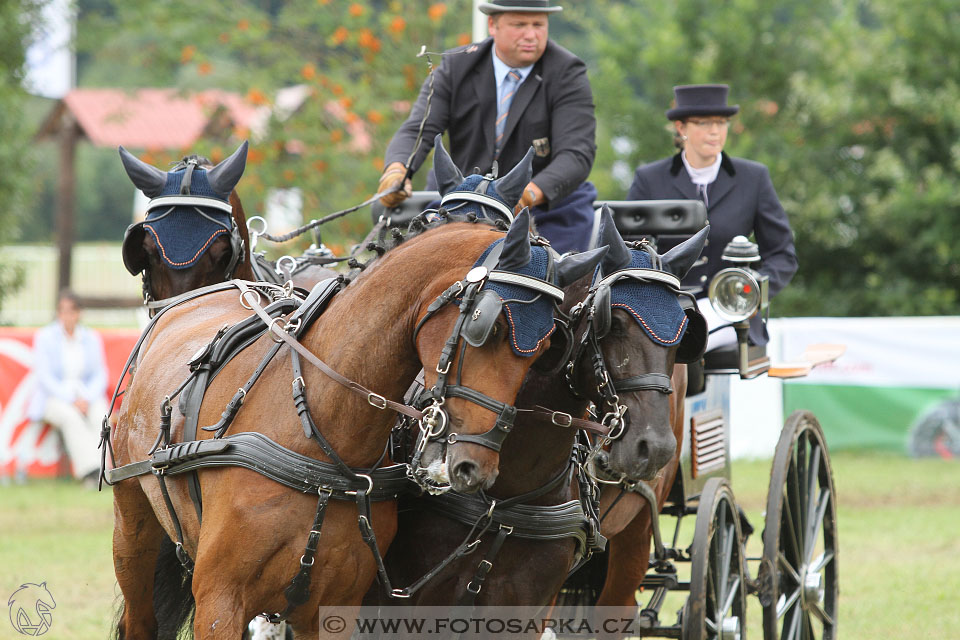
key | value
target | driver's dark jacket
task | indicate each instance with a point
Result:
(552, 110)
(742, 201)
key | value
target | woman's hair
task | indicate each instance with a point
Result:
(678, 139)
(69, 294)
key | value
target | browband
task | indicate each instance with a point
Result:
(189, 201)
(642, 274)
(529, 282)
(479, 198)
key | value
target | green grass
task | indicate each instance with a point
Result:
(898, 520)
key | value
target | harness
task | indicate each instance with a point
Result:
(285, 317)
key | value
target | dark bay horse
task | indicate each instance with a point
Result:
(618, 346)
(378, 331)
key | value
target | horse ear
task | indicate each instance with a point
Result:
(679, 259)
(573, 267)
(510, 187)
(225, 176)
(516, 246)
(448, 175)
(619, 255)
(145, 177)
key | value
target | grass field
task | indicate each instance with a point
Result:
(899, 562)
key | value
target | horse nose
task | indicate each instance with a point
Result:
(466, 476)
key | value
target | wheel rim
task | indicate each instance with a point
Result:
(716, 607)
(800, 540)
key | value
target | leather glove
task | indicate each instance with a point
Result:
(392, 178)
(532, 196)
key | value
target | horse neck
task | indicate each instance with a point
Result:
(379, 313)
(244, 270)
(536, 451)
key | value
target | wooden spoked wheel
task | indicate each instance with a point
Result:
(716, 608)
(798, 575)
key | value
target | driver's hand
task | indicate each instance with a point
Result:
(392, 178)
(532, 196)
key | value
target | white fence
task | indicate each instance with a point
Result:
(97, 271)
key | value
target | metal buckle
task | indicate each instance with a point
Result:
(443, 371)
(472, 589)
(377, 400)
(304, 564)
(560, 414)
(400, 593)
(364, 493)
(243, 301)
(274, 334)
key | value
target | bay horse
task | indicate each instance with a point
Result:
(622, 349)
(379, 330)
(189, 239)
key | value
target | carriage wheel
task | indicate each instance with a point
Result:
(716, 608)
(798, 574)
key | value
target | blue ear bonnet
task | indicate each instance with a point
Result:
(530, 322)
(652, 304)
(184, 233)
(473, 196)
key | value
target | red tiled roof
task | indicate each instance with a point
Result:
(152, 118)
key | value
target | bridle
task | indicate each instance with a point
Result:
(199, 203)
(479, 309)
(500, 211)
(598, 309)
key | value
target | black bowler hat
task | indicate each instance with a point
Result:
(526, 6)
(701, 100)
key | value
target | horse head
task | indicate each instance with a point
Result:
(483, 196)
(640, 324)
(195, 231)
(505, 318)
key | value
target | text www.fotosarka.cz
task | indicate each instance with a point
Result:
(403, 622)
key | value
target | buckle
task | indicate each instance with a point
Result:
(377, 400)
(568, 419)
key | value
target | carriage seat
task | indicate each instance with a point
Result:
(401, 215)
(638, 219)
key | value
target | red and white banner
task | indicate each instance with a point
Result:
(30, 447)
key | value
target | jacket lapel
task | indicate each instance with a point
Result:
(520, 101)
(724, 182)
(681, 182)
(485, 88)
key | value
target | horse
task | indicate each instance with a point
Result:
(396, 315)
(619, 350)
(195, 233)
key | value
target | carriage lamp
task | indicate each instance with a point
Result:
(738, 292)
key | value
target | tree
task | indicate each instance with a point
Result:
(355, 60)
(850, 105)
(17, 18)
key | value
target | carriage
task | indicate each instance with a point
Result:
(795, 578)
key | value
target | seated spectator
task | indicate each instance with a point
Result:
(71, 380)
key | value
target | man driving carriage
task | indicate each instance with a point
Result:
(496, 99)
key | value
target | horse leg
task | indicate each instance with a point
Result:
(137, 536)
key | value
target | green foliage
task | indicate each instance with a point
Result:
(356, 62)
(851, 106)
(16, 20)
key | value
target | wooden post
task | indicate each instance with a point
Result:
(66, 197)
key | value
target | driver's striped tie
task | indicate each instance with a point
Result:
(509, 88)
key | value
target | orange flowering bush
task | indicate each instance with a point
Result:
(437, 11)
